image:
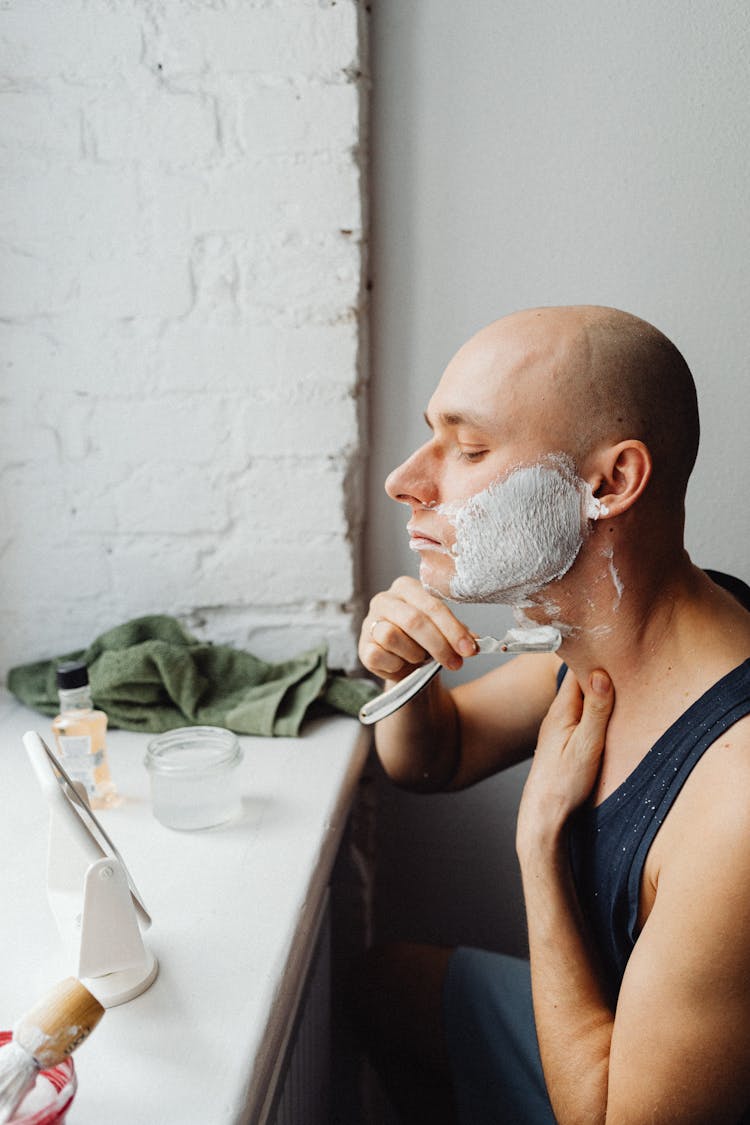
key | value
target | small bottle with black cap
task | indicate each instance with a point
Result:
(80, 732)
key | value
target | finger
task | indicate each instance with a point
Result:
(409, 635)
(448, 630)
(598, 702)
(410, 623)
(586, 715)
(386, 661)
(600, 699)
(388, 652)
(386, 665)
(386, 634)
(567, 707)
(379, 660)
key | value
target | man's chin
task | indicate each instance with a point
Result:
(434, 582)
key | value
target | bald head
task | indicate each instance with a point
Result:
(599, 376)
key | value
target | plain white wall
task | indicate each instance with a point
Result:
(533, 154)
(181, 302)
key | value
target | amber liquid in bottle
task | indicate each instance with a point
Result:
(80, 734)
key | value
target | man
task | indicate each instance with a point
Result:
(633, 832)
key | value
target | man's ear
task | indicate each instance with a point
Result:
(621, 474)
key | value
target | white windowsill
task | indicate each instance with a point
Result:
(234, 914)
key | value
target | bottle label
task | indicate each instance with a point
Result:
(80, 763)
(75, 745)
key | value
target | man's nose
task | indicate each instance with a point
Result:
(412, 484)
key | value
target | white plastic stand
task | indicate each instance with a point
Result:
(93, 899)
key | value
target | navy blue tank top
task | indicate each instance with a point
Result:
(609, 842)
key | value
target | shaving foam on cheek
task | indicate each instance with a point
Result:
(520, 533)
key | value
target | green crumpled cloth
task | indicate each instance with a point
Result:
(151, 675)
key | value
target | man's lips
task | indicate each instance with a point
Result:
(420, 541)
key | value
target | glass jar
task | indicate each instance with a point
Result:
(50, 1098)
(194, 777)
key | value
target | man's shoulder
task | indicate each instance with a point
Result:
(712, 811)
(722, 777)
(739, 590)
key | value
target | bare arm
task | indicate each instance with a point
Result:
(678, 1048)
(449, 739)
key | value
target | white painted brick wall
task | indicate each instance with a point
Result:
(181, 263)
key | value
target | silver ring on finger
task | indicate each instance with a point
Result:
(377, 621)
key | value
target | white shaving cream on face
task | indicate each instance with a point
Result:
(520, 533)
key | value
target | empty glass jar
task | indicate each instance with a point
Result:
(194, 777)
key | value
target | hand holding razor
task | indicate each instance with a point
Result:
(541, 639)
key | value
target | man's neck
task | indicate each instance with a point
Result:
(661, 629)
(640, 614)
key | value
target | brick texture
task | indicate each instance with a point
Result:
(181, 301)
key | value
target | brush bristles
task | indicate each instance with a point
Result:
(18, 1071)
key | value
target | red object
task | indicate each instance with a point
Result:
(61, 1083)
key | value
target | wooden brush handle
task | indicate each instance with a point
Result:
(58, 1023)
